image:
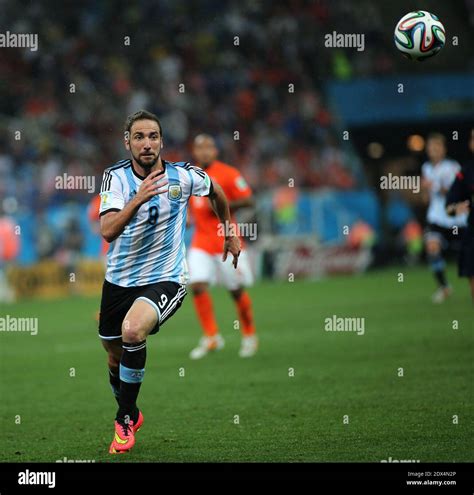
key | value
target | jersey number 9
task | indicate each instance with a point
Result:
(152, 215)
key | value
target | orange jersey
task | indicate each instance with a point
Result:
(94, 217)
(9, 240)
(93, 209)
(206, 234)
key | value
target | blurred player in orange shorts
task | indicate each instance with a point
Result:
(205, 255)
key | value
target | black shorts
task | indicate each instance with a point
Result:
(466, 257)
(165, 297)
(447, 235)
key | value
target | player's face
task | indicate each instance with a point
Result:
(204, 151)
(435, 150)
(145, 142)
(471, 142)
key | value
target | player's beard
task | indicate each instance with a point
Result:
(145, 165)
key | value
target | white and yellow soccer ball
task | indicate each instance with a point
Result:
(419, 35)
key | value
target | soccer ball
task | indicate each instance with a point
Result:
(419, 35)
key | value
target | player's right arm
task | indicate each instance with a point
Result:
(426, 183)
(115, 214)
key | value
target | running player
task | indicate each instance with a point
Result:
(143, 208)
(205, 263)
(459, 200)
(442, 231)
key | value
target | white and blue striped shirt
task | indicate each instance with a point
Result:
(441, 177)
(151, 248)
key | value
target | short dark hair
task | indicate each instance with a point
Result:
(141, 115)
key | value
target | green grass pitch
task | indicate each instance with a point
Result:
(280, 417)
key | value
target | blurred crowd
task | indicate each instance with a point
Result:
(250, 73)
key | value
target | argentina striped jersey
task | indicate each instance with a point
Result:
(151, 247)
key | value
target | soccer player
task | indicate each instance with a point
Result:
(143, 209)
(205, 260)
(442, 231)
(459, 200)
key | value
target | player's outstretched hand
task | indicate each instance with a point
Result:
(151, 187)
(232, 246)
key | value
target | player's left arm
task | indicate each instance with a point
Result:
(189, 221)
(458, 198)
(242, 203)
(449, 178)
(220, 205)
